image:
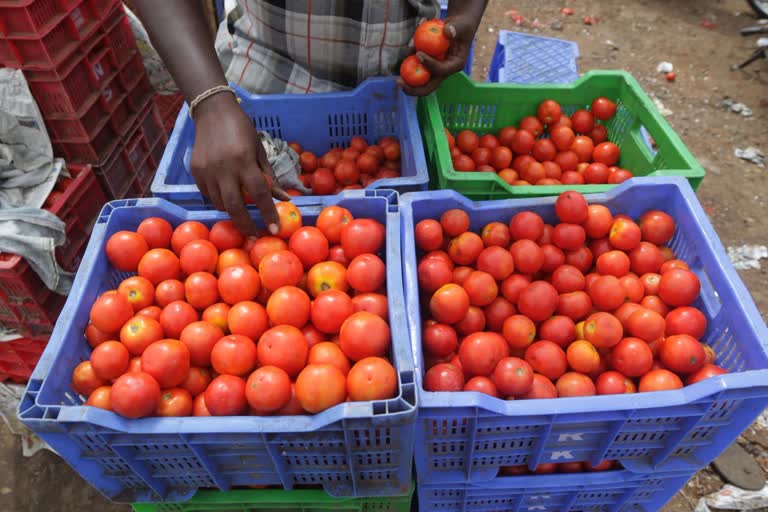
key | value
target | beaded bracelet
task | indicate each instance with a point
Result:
(207, 94)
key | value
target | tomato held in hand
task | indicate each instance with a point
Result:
(413, 72)
(430, 39)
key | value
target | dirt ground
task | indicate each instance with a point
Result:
(630, 34)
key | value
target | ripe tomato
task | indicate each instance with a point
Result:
(523, 142)
(528, 256)
(201, 289)
(624, 234)
(289, 217)
(330, 309)
(239, 283)
(646, 258)
(134, 395)
(513, 376)
(614, 383)
(619, 176)
(686, 320)
(505, 136)
(603, 108)
(84, 379)
(157, 265)
(463, 163)
(659, 380)
(444, 377)
(480, 352)
(364, 335)
(308, 162)
(323, 182)
(541, 388)
(176, 316)
(225, 396)
(217, 315)
(657, 227)
(362, 236)
(519, 331)
(472, 323)
(288, 305)
(283, 346)
(413, 73)
(632, 357)
(599, 134)
(433, 273)
(428, 234)
(110, 312)
(186, 232)
(200, 338)
(682, 353)
(678, 287)
(95, 337)
(168, 361)
(544, 150)
(375, 303)
(140, 332)
(125, 249)
(197, 380)
(603, 330)
(169, 291)
(584, 148)
(547, 358)
(571, 207)
(482, 385)
(234, 355)
(596, 173)
(327, 275)
(706, 371)
(606, 153)
(198, 256)
(366, 273)
(538, 301)
(646, 324)
(174, 402)
(109, 360)
(329, 353)
(582, 356)
(265, 246)
(224, 235)
(563, 138)
(232, 257)
(449, 304)
(372, 378)
(467, 141)
(198, 406)
(501, 158)
(613, 263)
(139, 292)
(651, 283)
(532, 125)
(672, 264)
(526, 226)
(549, 112)
(513, 285)
(569, 237)
(575, 305)
(346, 172)
(575, 384)
(560, 329)
(268, 389)
(319, 387)
(460, 274)
(583, 121)
(100, 398)
(481, 156)
(497, 262)
(481, 288)
(567, 278)
(156, 232)
(276, 269)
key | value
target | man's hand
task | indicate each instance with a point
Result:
(460, 30)
(229, 159)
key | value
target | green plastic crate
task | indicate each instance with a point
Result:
(461, 104)
(312, 500)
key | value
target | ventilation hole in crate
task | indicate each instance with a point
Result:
(375, 476)
(447, 448)
(619, 126)
(627, 453)
(346, 125)
(444, 428)
(384, 124)
(269, 124)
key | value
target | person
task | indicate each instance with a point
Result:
(286, 46)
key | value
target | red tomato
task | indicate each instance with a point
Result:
(234, 355)
(346, 172)
(263, 247)
(276, 269)
(575, 305)
(323, 181)
(372, 378)
(657, 227)
(533, 125)
(232, 257)
(544, 150)
(505, 136)
(201, 289)
(519, 331)
(329, 353)
(575, 384)
(513, 376)
(156, 232)
(482, 385)
(157, 265)
(559, 329)
(248, 318)
(84, 379)
(362, 236)
(449, 304)
(523, 142)
(706, 371)
(682, 353)
(624, 234)
(428, 234)
(186, 232)
(364, 335)
(125, 249)
(310, 245)
(330, 310)
(283, 346)
(678, 287)
(467, 141)
(497, 262)
(538, 301)
(582, 356)
(430, 39)
(583, 121)
(110, 312)
(646, 324)
(444, 377)
(659, 380)
(613, 263)
(463, 163)
(109, 360)
(686, 320)
(308, 162)
(497, 312)
(632, 357)
(603, 330)
(174, 402)
(140, 332)
(542, 388)
(95, 337)
(268, 389)
(513, 285)
(225, 396)
(549, 112)
(596, 173)
(584, 148)
(568, 278)
(168, 361)
(563, 138)
(501, 158)
(528, 256)
(614, 383)
(480, 353)
(169, 291)
(197, 380)
(481, 288)
(413, 73)
(554, 257)
(319, 387)
(289, 217)
(569, 237)
(606, 153)
(134, 395)
(224, 235)
(526, 226)
(547, 358)
(571, 207)
(139, 292)
(366, 273)
(603, 108)
(100, 398)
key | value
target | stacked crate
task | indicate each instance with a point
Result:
(85, 71)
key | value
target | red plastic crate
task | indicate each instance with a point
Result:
(120, 35)
(26, 304)
(18, 357)
(43, 33)
(146, 172)
(169, 106)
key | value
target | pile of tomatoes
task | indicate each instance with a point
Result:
(596, 304)
(548, 468)
(354, 167)
(215, 323)
(550, 148)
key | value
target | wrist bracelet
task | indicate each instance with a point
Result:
(207, 94)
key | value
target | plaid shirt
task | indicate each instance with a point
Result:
(300, 47)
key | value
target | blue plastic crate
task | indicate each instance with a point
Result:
(467, 436)
(617, 491)
(528, 59)
(471, 56)
(316, 121)
(353, 449)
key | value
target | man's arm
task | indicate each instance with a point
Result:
(227, 157)
(461, 24)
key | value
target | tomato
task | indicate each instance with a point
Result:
(265, 246)
(583, 121)
(225, 396)
(472, 323)
(614, 383)
(156, 232)
(460, 274)
(217, 315)
(198, 256)
(329, 353)
(686, 320)
(569, 237)
(607, 293)
(613, 263)
(268, 389)
(682, 353)
(538, 301)
(526, 226)
(109, 360)
(513, 285)
(596, 173)
(467, 141)
(603, 330)
(646, 258)
(197, 380)
(174, 402)
(125, 249)
(606, 153)
(168, 361)
(554, 257)
(372, 378)
(449, 304)
(481, 156)
(571, 207)
(110, 312)
(364, 335)
(523, 142)
(283, 346)
(429, 235)
(95, 337)
(433, 273)
(413, 72)
(288, 305)
(619, 176)
(201, 289)
(481, 288)
(678, 287)
(706, 371)
(545, 469)
(327, 275)
(346, 172)
(176, 316)
(563, 138)
(651, 283)
(654, 303)
(575, 305)
(567, 278)
(169, 291)
(560, 329)
(234, 355)
(362, 236)
(501, 158)
(482, 385)
(599, 134)
(139, 292)
(319, 387)
(632, 357)
(552, 170)
(570, 467)
(575, 384)
(497, 312)
(496, 262)
(187, 232)
(582, 356)
(513, 376)
(329, 160)
(198, 406)
(646, 324)
(547, 358)
(463, 163)
(528, 256)
(134, 395)
(673, 264)
(603, 108)
(366, 273)
(519, 331)
(549, 112)
(157, 265)
(541, 388)
(84, 379)
(323, 181)
(532, 125)
(293, 407)
(308, 162)
(140, 332)
(200, 338)
(659, 380)
(480, 352)
(584, 148)
(100, 398)
(444, 377)
(657, 227)
(330, 309)
(224, 235)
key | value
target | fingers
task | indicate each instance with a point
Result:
(256, 185)
(441, 68)
(275, 188)
(234, 204)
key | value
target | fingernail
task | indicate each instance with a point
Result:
(274, 228)
(420, 56)
(452, 30)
